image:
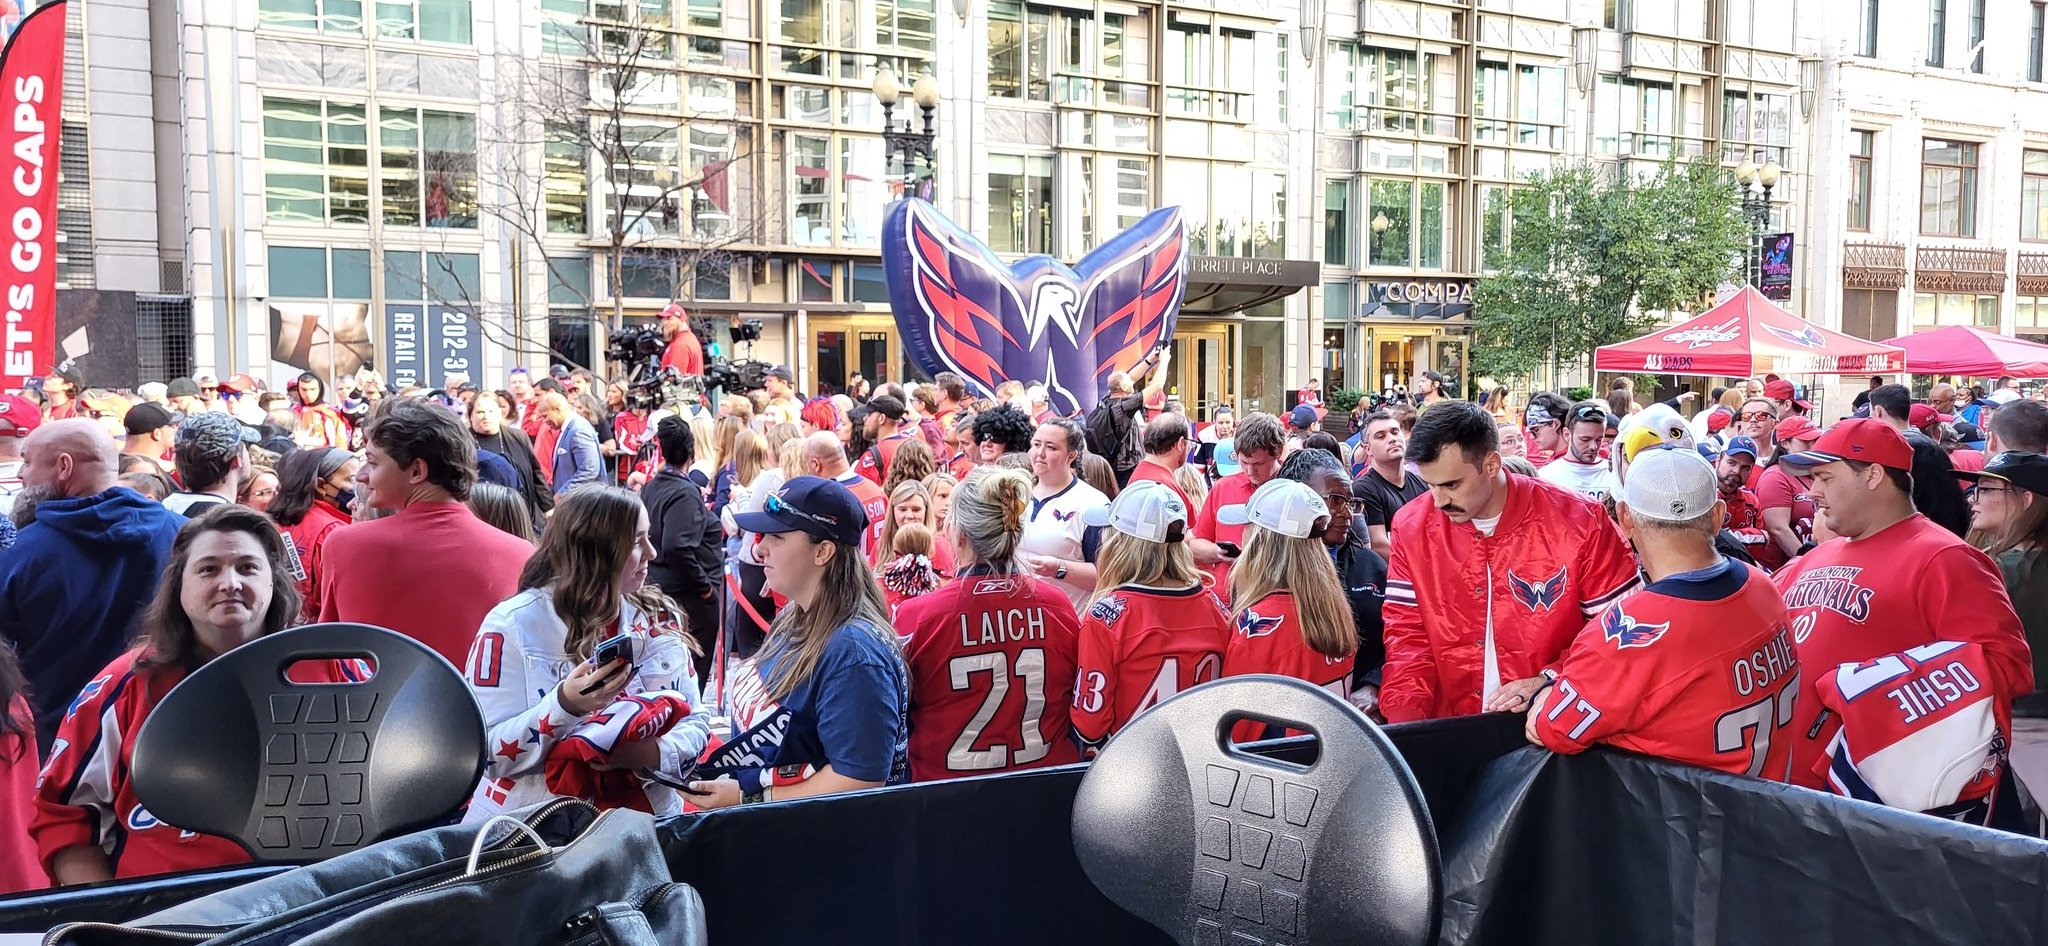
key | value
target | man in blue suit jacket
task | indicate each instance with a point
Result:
(577, 459)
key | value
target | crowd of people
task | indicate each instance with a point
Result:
(773, 596)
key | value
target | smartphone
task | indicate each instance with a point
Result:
(619, 647)
(1229, 549)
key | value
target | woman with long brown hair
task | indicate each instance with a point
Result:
(534, 670)
(821, 708)
(315, 489)
(226, 584)
(2009, 522)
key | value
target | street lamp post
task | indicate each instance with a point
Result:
(912, 143)
(1754, 183)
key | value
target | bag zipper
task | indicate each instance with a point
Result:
(56, 935)
(581, 923)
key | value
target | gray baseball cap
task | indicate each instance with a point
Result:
(218, 436)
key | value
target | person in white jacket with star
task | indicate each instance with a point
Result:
(531, 665)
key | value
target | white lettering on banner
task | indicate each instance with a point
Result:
(405, 346)
(1707, 335)
(1233, 266)
(26, 227)
(1436, 292)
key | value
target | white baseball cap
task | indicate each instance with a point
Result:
(1283, 506)
(1670, 484)
(1144, 510)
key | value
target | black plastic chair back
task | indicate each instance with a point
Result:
(302, 772)
(1215, 845)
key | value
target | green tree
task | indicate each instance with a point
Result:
(1593, 253)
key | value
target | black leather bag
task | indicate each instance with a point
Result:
(563, 875)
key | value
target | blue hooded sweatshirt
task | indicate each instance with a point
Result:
(73, 588)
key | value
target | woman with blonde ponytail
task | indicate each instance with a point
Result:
(1292, 616)
(1009, 636)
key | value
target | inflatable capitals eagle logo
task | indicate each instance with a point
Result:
(960, 308)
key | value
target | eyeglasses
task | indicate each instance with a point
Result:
(1754, 416)
(775, 506)
(1338, 501)
(1589, 412)
(208, 389)
(1983, 488)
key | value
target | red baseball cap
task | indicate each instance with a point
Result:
(1797, 427)
(1859, 439)
(1719, 419)
(1923, 414)
(1782, 390)
(674, 310)
(21, 415)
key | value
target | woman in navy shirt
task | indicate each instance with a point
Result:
(821, 708)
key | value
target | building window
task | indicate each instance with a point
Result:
(1406, 92)
(1682, 18)
(1340, 79)
(1641, 119)
(1020, 203)
(1337, 223)
(2037, 42)
(1937, 32)
(427, 167)
(1860, 149)
(1755, 122)
(2030, 318)
(316, 162)
(1937, 309)
(2034, 195)
(1866, 30)
(327, 16)
(566, 179)
(1523, 106)
(1948, 188)
(1407, 226)
(434, 21)
(1208, 69)
(1495, 211)
(1038, 54)
(1977, 36)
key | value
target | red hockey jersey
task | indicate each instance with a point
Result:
(1268, 640)
(1910, 584)
(1697, 668)
(874, 461)
(1140, 645)
(1920, 729)
(992, 662)
(1746, 520)
(84, 796)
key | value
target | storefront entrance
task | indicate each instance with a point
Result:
(1204, 366)
(843, 345)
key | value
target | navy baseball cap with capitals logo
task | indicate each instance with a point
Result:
(1861, 440)
(812, 505)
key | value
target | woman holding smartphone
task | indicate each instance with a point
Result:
(535, 672)
(822, 707)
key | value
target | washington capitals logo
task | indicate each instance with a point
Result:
(1251, 624)
(1623, 631)
(1809, 337)
(1107, 610)
(1537, 596)
(1707, 335)
(960, 308)
(1066, 516)
(91, 690)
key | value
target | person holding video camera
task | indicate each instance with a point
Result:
(585, 657)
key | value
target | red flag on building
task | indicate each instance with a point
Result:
(31, 97)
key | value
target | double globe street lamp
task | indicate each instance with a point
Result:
(912, 143)
(1754, 183)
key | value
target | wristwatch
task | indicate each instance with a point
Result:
(1060, 573)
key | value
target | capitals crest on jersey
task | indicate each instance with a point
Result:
(1537, 595)
(88, 692)
(1624, 632)
(1251, 624)
(1806, 337)
(1107, 610)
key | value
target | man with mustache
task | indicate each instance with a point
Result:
(80, 575)
(1492, 577)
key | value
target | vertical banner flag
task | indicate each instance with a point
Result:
(31, 84)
